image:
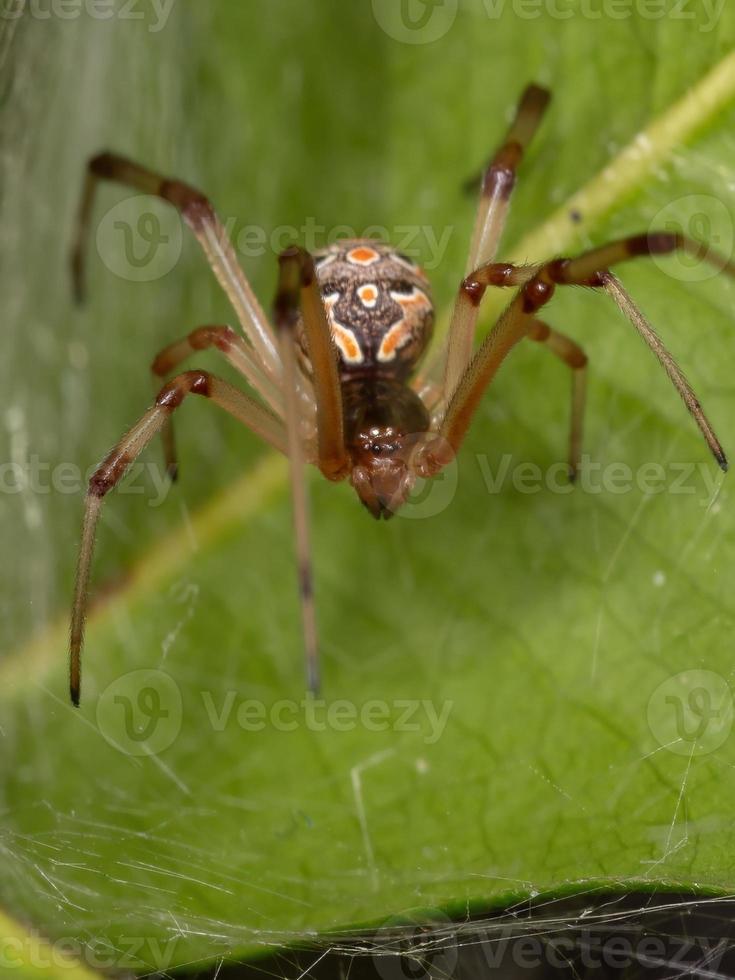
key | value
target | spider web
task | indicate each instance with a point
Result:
(587, 935)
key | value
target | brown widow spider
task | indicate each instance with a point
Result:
(351, 323)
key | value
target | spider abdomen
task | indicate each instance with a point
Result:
(379, 307)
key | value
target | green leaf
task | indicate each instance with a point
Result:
(551, 669)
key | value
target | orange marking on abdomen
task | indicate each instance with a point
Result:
(415, 300)
(348, 345)
(362, 255)
(368, 295)
(396, 337)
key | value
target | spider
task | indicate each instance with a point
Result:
(335, 372)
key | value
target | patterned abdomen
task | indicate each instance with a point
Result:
(379, 307)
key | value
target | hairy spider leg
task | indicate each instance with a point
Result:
(538, 284)
(111, 470)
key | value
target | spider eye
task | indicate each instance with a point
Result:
(383, 448)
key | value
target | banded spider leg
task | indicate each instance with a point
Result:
(252, 414)
(267, 363)
(537, 286)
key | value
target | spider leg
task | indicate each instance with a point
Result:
(499, 177)
(113, 467)
(298, 289)
(538, 285)
(298, 292)
(430, 392)
(237, 352)
(511, 327)
(497, 185)
(199, 215)
(572, 355)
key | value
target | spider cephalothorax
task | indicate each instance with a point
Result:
(334, 375)
(384, 423)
